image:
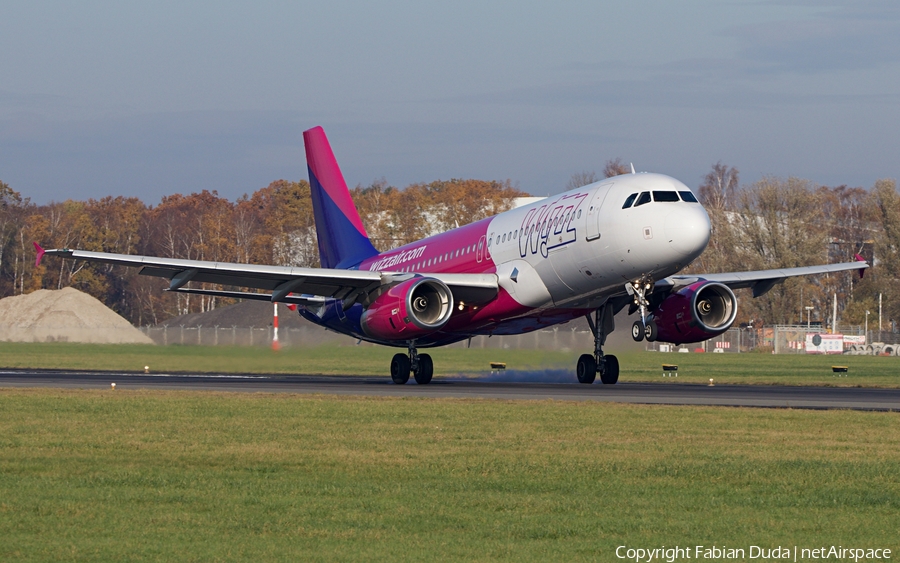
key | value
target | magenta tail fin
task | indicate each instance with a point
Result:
(343, 242)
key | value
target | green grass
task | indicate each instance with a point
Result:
(186, 476)
(374, 360)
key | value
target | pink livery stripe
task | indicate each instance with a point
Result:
(324, 166)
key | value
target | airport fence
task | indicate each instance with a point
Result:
(782, 339)
(559, 338)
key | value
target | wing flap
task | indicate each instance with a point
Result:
(290, 299)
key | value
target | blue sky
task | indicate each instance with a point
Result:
(113, 98)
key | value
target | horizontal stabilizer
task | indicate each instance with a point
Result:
(40, 254)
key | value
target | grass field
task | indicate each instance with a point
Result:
(187, 476)
(374, 360)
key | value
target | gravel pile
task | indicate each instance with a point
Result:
(65, 315)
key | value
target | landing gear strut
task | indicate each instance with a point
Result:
(606, 364)
(419, 364)
(642, 329)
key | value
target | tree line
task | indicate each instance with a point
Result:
(771, 223)
(273, 225)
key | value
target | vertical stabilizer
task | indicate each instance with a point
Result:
(343, 242)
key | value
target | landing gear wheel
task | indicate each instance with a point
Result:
(586, 369)
(609, 374)
(637, 331)
(426, 369)
(400, 369)
(650, 331)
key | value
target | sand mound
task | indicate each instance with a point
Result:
(66, 315)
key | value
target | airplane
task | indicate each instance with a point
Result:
(588, 252)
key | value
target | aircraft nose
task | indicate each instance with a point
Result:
(687, 230)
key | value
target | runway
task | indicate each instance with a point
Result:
(763, 396)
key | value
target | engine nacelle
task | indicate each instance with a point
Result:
(409, 310)
(695, 313)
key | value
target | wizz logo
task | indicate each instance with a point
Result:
(550, 226)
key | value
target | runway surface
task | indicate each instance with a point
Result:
(769, 396)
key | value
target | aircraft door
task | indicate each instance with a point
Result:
(479, 254)
(594, 213)
(603, 260)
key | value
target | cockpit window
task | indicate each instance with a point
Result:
(688, 197)
(665, 196)
(629, 201)
(644, 198)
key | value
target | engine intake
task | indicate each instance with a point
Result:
(409, 310)
(695, 313)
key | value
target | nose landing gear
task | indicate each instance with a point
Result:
(420, 365)
(643, 328)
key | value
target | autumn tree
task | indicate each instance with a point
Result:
(885, 278)
(719, 186)
(718, 192)
(581, 179)
(779, 224)
(13, 211)
(396, 217)
(287, 233)
(615, 167)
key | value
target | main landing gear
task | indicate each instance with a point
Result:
(607, 365)
(642, 329)
(419, 364)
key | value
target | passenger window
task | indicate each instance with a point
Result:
(644, 198)
(629, 201)
(688, 197)
(665, 196)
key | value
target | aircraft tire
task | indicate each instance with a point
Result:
(637, 331)
(586, 369)
(651, 331)
(426, 369)
(400, 369)
(610, 373)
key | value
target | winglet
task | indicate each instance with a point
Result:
(862, 271)
(40, 254)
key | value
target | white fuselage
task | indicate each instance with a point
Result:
(571, 249)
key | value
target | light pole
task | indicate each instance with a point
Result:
(867, 327)
(808, 309)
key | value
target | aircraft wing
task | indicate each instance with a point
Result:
(763, 280)
(315, 284)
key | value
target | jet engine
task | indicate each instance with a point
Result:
(409, 310)
(695, 313)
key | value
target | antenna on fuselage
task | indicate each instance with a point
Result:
(632, 168)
